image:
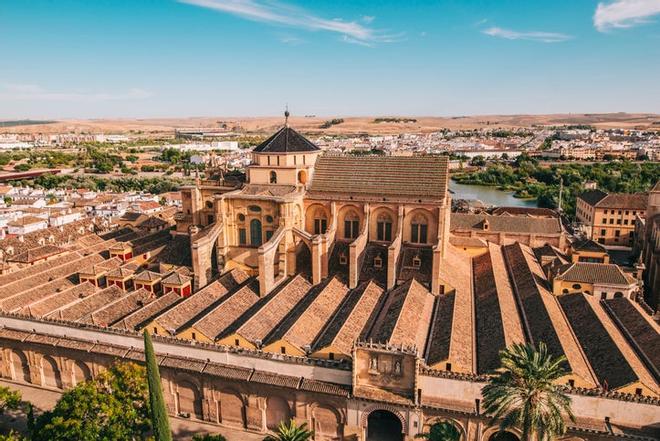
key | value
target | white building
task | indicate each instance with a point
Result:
(26, 224)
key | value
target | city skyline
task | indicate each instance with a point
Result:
(238, 58)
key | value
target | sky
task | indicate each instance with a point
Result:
(183, 58)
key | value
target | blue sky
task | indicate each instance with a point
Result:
(158, 58)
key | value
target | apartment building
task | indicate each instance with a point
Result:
(609, 218)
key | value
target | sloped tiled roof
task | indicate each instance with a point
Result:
(604, 356)
(310, 323)
(273, 310)
(506, 224)
(348, 322)
(176, 279)
(286, 140)
(34, 254)
(587, 272)
(588, 245)
(176, 318)
(601, 199)
(231, 307)
(143, 315)
(119, 309)
(417, 177)
(592, 197)
(147, 276)
(405, 317)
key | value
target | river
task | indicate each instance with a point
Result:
(488, 195)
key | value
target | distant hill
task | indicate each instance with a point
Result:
(375, 125)
(24, 122)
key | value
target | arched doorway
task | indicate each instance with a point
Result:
(503, 436)
(190, 400)
(277, 410)
(383, 425)
(80, 372)
(51, 373)
(20, 367)
(255, 232)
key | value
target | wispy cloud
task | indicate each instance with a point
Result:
(543, 37)
(269, 11)
(33, 92)
(624, 13)
(291, 40)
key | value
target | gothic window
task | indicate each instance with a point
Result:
(419, 230)
(351, 226)
(384, 228)
(255, 232)
(273, 176)
(320, 222)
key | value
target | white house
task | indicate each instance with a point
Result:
(26, 224)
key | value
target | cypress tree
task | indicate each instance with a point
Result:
(159, 420)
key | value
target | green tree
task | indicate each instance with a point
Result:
(291, 432)
(112, 406)
(523, 393)
(159, 420)
(9, 399)
(444, 431)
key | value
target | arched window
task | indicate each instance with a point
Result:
(419, 230)
(255, 232)
(618, 295)
(320, 222)
(384, 227)
(273, 177)
(302, 177)
(351, 225)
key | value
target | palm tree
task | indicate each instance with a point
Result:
(291, 432)
(523, 393)
(444, 431)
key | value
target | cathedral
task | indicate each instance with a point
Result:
(339, 291)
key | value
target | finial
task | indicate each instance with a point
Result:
(286, 116)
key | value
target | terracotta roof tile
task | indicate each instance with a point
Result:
(505, 224)
(89, 304)
(144, 315)
(275, 379)
(642, 332)
(382, 176)
(229, 309)
(59, 300)
(119, 309)
(587, 272)
(405, 317)
(194, 306)
(263, 321)
(311, 322)
(348, 322)
(286, 140)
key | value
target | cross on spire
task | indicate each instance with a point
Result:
(286, 116)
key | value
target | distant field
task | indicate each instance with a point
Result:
(377, 125)
(24, 122)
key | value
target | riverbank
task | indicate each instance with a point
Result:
(489, 195)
